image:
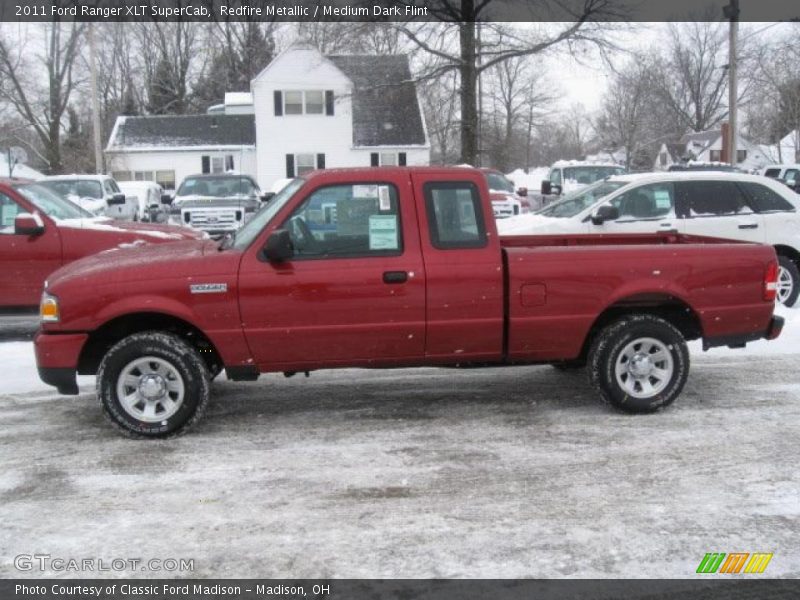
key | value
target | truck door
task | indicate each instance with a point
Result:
(463, 269)
(354, 292)
(25, 260)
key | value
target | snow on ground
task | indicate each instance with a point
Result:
(531, 180)
(19, 370)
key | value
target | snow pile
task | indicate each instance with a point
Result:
(531, 224)
(531, 180)
(19, 370)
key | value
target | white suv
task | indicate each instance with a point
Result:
(707, 203)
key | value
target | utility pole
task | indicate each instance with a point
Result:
(98, 148)
(731, 12)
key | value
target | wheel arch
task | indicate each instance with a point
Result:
(789, 252)
(115, 329)
(671, 308)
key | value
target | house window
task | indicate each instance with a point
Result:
(293, 103)
(166, 179)
(305, 163)
(388, 159)
(121, 175)
(315, 103)
(143, 176)
(715, 156)
(741, 156)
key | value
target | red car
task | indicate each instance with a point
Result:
(40, 232)
(394, 267)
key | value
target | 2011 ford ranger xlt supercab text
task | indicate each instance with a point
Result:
(393, 267)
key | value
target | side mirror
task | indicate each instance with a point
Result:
(116, 199)
(547, 187)
(166, 198)
(267, 196)
(523, 191)
(605, 213)
(28, 224)
(279, 247)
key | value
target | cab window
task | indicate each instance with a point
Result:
(350, 220)
(652, 201)
(555, 176)
(8, 212)
(763, 199)
(454, 215)
(710, 199)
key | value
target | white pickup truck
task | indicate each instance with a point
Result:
(571, 175)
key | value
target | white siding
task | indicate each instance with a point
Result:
(303, 68)
(183, 162)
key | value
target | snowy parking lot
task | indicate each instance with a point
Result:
(515, 472)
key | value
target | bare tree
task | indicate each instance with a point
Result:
(440, 103)
(42, 104)
(478, 50)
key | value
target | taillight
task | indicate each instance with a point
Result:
(771, 281)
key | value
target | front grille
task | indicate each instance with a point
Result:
(210, 219)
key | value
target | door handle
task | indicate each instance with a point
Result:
(748, 226)
(395, 277)
(666, 224)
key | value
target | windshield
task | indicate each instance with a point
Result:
(51, 204)
(576, 202)
(251, 229)
(587, 175)
(499, 182)
(82, 188)
(218, 187)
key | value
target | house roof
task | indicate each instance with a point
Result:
(20, 170)
(385, 107)
(676, 150)
(703, 138)
(173, 131)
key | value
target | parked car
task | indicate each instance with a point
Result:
(704, 166)
(216, 204)
(506, 200)
(717, 204)
(149, 196)
(571, 175)
(97, 194)
(40, 232)
(787, 174)
(408, 270)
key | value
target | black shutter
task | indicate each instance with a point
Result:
(374, 159)
(329, 103)
(278, 103)
(229, 162)
(320, 161)
(206, 160)
(401, 159)
(290, 166)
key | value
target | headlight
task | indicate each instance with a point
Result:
(49, 311)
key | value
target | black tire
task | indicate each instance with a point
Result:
(617, 342)
(791, 271)
(569, 366)
(174, 352)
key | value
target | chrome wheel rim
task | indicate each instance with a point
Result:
(785, 284)
(150, 389)
(644, 368)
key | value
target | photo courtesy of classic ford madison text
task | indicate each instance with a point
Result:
(401, 299)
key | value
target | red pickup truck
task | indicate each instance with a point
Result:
(40, 232)
(393, 267)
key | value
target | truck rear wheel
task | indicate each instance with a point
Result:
(788, 281)
(153, 385)
(639, 363)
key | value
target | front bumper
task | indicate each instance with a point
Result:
(57, 358)
(738, 341)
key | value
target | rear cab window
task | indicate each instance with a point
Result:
(697, 199)
(454, 214)
(764, 200)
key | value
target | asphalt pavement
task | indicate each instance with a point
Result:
(510, 472)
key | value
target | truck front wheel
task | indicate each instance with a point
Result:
(153, 384)
(639, 363)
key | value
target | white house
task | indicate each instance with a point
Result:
(19, 170)
(706, 146)
(315, 111)
(167, 149)
(305, 111)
